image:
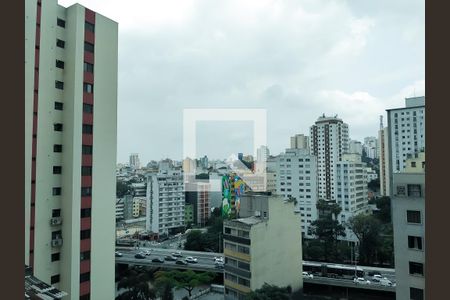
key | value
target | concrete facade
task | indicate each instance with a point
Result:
(252, 249)
(70, 147)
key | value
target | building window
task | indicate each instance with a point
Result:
(85, 277)
(56, 213)
(85, 255)
(59, 85)
(87, 128)
(89, 26)
(243, 281)
(88, 67)
(85, 234)
(88, 88)
(86, 191)
(415, 294)
(244, 265)
(55, 256)
(85, 297)
(86, 170)
(54, 279)
(401, 191)
(414, 242)
(243, 249)
(414, 190)
(227, 230)
(86, 149)
(57, 148)
(413, 216)
(61, 23)
(60, 43)
(88, 47)
(59, 64)
(413, 164)
(88, 108)
(57, 169)
(85, 213)
(56, 191)
(57, 127)
(59, 105)
(415, 268)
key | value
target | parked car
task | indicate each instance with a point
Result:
(218, 258)
(191, 260)
(307, 275)
(118, 254)
(140, 255)
(360, 280)
(158, 260)
(181, 262)
(386, 282)
(147, 252)
(170, 258)
(378, 276)
(177, 254)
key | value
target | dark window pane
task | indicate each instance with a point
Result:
(413, 216)
(85, 212)
(86, 171)
(55, 256)
(57, 148)
(54, 279)
(415, 294)
(59, 105)
(59, 85)
(88, 67)
(88, 108)
(60, 43)
(56, 191)
(59, 64)
(87, 149)
(61, 23)
(85, 234)
(89, 47)
(87, 128)
(56, 213)
(57, 170)
(89, 26)
(85, 255)
(85, 277)
(88, 88)
(58, 127)
(415, 268)
(86, 191)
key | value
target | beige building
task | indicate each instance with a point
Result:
(299, 141)
(70, 147)
(252, 250)
(408, 216)
(385, 170)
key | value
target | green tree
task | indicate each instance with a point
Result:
(187, 280)
(367, 229)
(270, 292)
(384, 206)
(136, 287)
(122, 189)
(164, 287)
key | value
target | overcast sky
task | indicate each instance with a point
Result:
(298, 59)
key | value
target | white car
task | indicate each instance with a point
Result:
(360, 280)
(378, 276)
(307, 275)
(191, 259)
(218, 259)
(147, 252)
(386, 282)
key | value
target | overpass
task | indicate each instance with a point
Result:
(206, 263)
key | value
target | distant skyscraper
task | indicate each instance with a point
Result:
(70, 147)
(371, 147)
(297, 178)
(299, 141)
(355, 147)
(383, 146)
(134, 161)
(329, 140)
(406, 132)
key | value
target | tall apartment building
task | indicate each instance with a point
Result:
(165, 202)
(297, 178)
(264, 245)
(406, 132)
(408, 217)
(135, 163)
(70, 147)
(299, 141)
(329, 140)
(139, 189)
(198, 195)
(355, 147)
(383, 146)
(351, 181)
(371, 147)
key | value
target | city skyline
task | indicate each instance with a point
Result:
(287, 57)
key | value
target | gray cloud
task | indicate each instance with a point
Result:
(297, 59)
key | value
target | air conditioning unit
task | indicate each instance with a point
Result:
(55, 221)
(57, 242)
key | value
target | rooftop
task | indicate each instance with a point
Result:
(37, 289)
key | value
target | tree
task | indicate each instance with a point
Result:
(164, 287)
(270, 292)
(367, 229)
(136, 286)
(374, 185)
(122, 189)
(384, 206)
(187, 280)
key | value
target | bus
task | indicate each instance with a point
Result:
(332, 270)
